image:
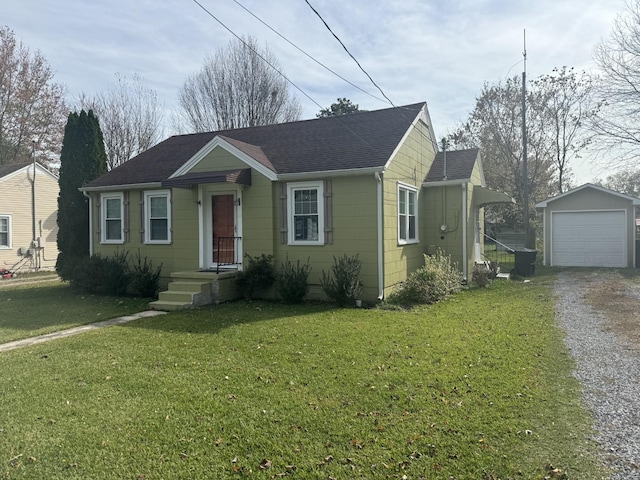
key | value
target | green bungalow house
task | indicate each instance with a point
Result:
(369, 183)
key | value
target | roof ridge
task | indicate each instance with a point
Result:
(317, 119)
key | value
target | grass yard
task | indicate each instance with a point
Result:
(37, 309)
(477, 387)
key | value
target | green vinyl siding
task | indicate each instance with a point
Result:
(256, 204)
(354, 229)
(443, 206)
(180, 254)
(408, 167)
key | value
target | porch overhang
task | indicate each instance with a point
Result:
(189, 180)
(483, 196)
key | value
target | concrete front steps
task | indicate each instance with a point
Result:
(193, 289)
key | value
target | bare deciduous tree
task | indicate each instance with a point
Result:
(237, 88)
(130, 118)
(495, 126)
(32, 107)
(557, 106)
(625, 181)
(618, 124)
(567, 107)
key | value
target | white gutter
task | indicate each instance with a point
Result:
(129, 186)
(465, 266)
(90, 222)
(380, 207)
(446, 183)
(329, 173)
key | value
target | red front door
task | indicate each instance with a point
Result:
(222, 208)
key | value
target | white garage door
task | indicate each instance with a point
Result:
(588, 239)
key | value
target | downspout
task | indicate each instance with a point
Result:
(380, 237)
(544, 236)
(477, 253)
(201, 230)
(34, 245)
(90, 222)
(465, 266)
(33, 205)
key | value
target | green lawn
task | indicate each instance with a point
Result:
(477, 387)
(30, 310)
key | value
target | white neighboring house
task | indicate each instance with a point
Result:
(28, 218)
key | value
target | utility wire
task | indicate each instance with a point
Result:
(256, 52)
(363, 70)
(305, 53)
(336, 117)
(349, 53)
(282, 74)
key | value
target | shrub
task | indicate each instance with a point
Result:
(342, 284)
(98, 274)
(292, 281)
(437, 279)
(86, 274)
(114, 275)
(259, 273)
(145, 280)
(484, 273)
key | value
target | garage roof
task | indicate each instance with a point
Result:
(634, 200)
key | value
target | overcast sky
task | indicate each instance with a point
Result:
(438, 51)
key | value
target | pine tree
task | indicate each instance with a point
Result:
(82, 159)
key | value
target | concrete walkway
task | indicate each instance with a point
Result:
(27, 342)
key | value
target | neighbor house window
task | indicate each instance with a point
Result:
(5, 231)
(306, 214)
(157, 211)
(111, 218)
(407, 214)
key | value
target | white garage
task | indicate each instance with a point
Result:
(589, 239)
(589, 226)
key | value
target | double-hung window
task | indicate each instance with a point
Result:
(157, 216)
(306, 213)
(112, 216)
(407, 214)
(5, 231)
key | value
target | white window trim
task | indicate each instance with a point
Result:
(147, 216)
(10, 232)
(103, 217)
(408, 188)
(291, 188)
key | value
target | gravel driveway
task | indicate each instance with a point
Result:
(599, 312)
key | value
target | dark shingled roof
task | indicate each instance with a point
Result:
(358, 140)
(460, 165)
(8, 169)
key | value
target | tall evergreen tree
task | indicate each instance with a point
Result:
(82, 159)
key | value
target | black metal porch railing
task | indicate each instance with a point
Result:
(225, 253)
(502, 254)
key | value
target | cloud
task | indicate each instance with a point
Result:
(415, 50)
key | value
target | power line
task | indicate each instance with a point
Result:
(361, 68)
(336, 117)
(305, 53)
(349, 53)
(256, 52)
(280, 73)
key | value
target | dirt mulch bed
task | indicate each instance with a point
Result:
(618, 298)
